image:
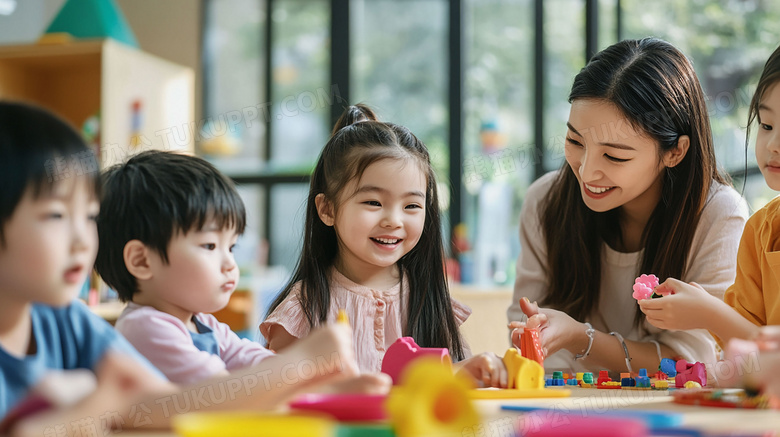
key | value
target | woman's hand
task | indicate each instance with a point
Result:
(683, 306)
(557, 330)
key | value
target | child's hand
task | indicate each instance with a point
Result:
(367, 383)
(487, 369)
(331, 344)
(557, 330)
(768, 338)
(683, 306)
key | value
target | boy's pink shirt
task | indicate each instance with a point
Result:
(376, 317)
(166, 342)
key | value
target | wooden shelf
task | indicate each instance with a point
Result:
(103, 77)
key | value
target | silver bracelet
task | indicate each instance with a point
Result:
(625, 349)
(589, 332)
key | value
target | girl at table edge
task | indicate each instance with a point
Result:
(640, 192)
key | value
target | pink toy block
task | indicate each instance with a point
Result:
(690, 372)
(404, 351)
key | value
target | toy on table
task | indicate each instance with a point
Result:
(248, 424)
(686, 371)
(405, 351)
(668, 366)
(522, 373)
(530, 347)
(344, 407)
(525, 379)
(643, 381)
(557, 380)
(586, 381)
(431, 400)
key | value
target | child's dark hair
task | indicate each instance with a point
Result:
(655, 87)
(358, 141)
(151, 198)
(37, 150)
(769, 77)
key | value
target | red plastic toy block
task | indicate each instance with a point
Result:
(529, 346)
(603, 377)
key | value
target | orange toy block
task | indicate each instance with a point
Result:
(529, 346)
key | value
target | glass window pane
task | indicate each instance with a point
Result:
(234, 74)
(287, 215)
(301, 94)
(250, 250)
(607, 23)
(728, 42)
(399, 67)
(564, 43)
(498, 147)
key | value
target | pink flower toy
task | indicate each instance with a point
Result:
(644, 286)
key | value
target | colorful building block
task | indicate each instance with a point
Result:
(609, 385)
(668, 366)
(587, 378)
(661, 384)
(686, 372)
(603, 377)
(643, 380)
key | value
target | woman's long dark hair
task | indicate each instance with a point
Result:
(654, 85)
(358, 141)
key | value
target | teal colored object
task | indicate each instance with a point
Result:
(93, 19)
(587, 378)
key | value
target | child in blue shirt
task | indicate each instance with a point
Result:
(48, 241)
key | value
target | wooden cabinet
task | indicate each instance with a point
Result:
(103, 77)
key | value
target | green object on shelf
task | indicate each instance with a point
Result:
(93, 19)
(557, 375)
(587, 378)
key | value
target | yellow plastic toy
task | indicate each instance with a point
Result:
(431, 401)
(249, 424)
(522, 373)
(691, 384)
(525, 379)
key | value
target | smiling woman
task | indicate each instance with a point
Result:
(639, 193)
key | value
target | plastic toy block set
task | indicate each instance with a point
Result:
(680, 375)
